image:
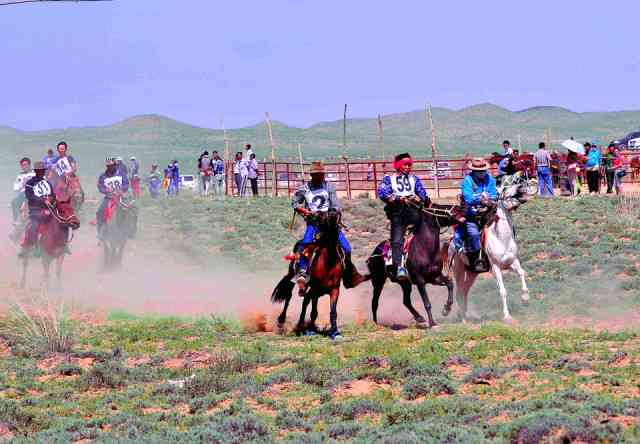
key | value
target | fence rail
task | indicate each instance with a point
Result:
(356, 177)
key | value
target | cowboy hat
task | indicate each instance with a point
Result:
(317, 168)
(479, 164)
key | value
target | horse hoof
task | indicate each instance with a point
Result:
(309, 333)
(509, 320)
(525, 298)
(424, 325)
(446, 310)
(335, 336)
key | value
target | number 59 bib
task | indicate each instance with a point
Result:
(403, 185)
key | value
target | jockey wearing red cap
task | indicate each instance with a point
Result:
(398, 191)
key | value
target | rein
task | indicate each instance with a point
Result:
(431, 211)
(57, 216)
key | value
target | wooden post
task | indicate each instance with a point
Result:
(348, 177)
(434, 152)
(288, 181)
(519, 144)
(381, 136)
(274, 188)
(301, 163)
(344, 132)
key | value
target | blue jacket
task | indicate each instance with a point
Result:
(593, 158)
(385, 190)
(471, 190)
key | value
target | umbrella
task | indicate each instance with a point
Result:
(574, 146)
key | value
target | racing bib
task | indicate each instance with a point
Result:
(42, 189)
(318, 200)
(402, 185)
(63, 166)
(113, 183)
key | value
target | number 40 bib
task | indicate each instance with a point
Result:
(403, 185)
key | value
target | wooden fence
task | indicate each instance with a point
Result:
(357, 177)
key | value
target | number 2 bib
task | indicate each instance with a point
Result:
(318, 200)
(402, 185)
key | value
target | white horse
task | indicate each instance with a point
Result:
(500, 245)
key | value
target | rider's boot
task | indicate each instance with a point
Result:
(302, 277)
(402, 274)
(476, 265)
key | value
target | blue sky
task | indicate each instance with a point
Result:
(195, 60)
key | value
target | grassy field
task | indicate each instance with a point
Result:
(167, 379)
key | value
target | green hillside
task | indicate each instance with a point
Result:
(475, 129)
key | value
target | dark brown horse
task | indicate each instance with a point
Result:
(53, 238)
(424, 263)
(326, 271)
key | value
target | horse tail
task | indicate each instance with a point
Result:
(283, 290)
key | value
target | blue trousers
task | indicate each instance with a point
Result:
(545, 181)
(471, 233)
(309, 237)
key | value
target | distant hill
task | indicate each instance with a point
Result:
(474, 129)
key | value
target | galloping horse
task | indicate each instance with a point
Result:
(68, 188)
(120, 222)
(499, 246)
(326, 271)
(424, 264)
(54, 236)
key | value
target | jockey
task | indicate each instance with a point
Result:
(63, 166)
(110, 183)
(317, 196)
(398, 190)
(478, 191)
(40, 196)
(18, 188)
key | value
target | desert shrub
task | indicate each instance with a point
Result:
(482, 375)
(109, 374)
(286, 419)
(67, 369)
(320, 374)
(427, 385)
(350, 409)
(344, 430)
(14, 416)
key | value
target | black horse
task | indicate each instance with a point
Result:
(120, 227)
(424, 262)
(326, 271)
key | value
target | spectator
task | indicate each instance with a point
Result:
(572, 173)
(506, 147)
(20, 198)
(218, 174)
(134, 176)
(620, 172)
(240, 173)
(609, 167)
(174, 178)
(154, 181)
(166, 180)
(205, 172)
(369, 172)
(49, 160)
(249, 151)
(122, 168)
(543, 167)
(253, 174)
(593, 168)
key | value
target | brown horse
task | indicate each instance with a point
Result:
(68, 188)
(54, 236)
(326, 271)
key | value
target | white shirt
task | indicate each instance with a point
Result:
(21, 181)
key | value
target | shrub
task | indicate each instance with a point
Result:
(427, 385)
(110, 374)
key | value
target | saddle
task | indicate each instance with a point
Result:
(409, 236)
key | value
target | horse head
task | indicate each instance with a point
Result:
(516, 190)
(65, 214)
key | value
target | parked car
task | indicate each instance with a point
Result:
(188, 182)
(625, 142)
(634, 144)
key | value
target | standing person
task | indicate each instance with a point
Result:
(248, 151)
(398, 191)
(240, 173)
(543, 167)
(134, 176)
(154, 181)
(19, 197)
(506, 148)
(166, 180)
(609, 167)
(253, 174)
(205, 173)
(173, 171)
(572, 173)
(49, 160)
(63, 167)
(619, 171)
(593, 168)
(40, 196)
(218, 174)
(112, 183)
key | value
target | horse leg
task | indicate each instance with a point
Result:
(443, 280)
(464, 280)
(497, 273)
(23, 279)
(303, 313)
(283, 316)
(314, 314)
(378, 284)
(515, 266)
(334, 295)
(406, 300)
(422, 289)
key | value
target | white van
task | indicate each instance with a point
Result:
(188, 182)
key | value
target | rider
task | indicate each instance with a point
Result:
(40, 196)
(403, 193)
(63, 167)
(478, 192)
(111, 183)
(18, 188)
(317, 196)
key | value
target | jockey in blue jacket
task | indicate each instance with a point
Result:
(478, 191)
(318, 196)
(399, 190)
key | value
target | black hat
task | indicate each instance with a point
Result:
(206, 153)
(399, 157)
(506, 142)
